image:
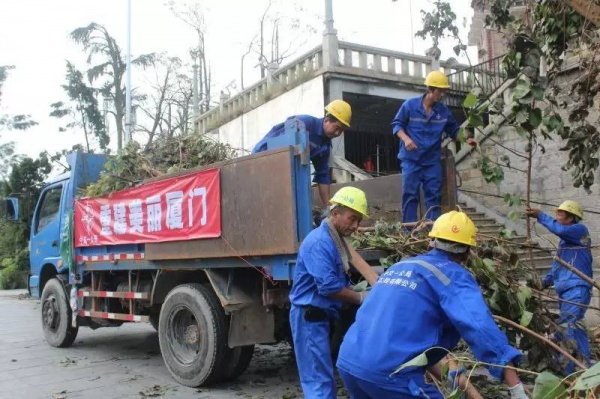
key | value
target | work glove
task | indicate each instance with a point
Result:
(363, 296)
(518, 392)
(453, 377)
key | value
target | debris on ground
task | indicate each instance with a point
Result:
(60, 395)
(154, 391)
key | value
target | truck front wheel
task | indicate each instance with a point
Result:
(192, 332)
(56, 315)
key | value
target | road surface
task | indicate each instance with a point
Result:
(123, 362)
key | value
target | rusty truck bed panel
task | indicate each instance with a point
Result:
(257, 212)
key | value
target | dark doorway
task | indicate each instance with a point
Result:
(370, 141)
(370, 144)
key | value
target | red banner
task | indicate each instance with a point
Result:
(182, 208)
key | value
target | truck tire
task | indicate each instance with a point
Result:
(241, 356)
(56, 315)
(192, 332)
(154, 317)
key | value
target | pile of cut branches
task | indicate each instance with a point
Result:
(166, 155)
(502, 277)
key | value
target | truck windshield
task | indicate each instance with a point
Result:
(49, 209)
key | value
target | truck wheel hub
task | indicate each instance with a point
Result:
(191, 334)
(50, 312)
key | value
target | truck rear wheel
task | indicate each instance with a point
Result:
(154, 320)
(57, 316)
(192, 333)
(241, 357)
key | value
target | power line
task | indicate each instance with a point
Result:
(587, 210)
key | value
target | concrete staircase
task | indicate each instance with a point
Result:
(542, 258)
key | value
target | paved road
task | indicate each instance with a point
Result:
(122, 362)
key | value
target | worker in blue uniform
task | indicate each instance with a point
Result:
(420, 305)
(574, 248)
(420, 125)
(321, 286)
(321, 131)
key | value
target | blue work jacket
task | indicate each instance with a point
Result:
(424, 302)
(425, 130)
(320, 145)
(319, 272)
(573, 248)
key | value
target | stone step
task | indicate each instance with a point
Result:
(482, 219)
(490, 231)
(475, 215)
(488, 225)
(523, 253)
(541, 263)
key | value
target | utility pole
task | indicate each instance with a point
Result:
(195, 98)
(412, 32)
(330, 41)
(128, 124)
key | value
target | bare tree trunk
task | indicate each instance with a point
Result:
(85, 132)
(527, 203)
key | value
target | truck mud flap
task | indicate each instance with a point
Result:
(251, 325)
(240, 293)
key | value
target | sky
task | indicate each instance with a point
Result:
(35, 39)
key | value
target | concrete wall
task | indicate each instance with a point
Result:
(549, 182)
(490, 42)
(246, 130)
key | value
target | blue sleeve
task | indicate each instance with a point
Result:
(464, 305)
(400, 121)
(275, 131)
(452, 127)
(321, 263)
(321, 165)
(573, 233)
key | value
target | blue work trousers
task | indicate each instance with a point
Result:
(313, 355)
(400, 389)
(415, 175)
(571, 319)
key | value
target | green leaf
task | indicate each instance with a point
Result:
(523, 295)
(526, 318)
(456, 394)
(548, 386)
(521, 90)
(489, 264)
(535, 117)
(418, 361)
(475, 120)
(361, 286)
(521, 117)
(589, 379)
(514, 215)
(538, 93)
(461, 137)
(470, 101)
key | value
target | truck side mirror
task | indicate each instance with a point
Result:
(10, 208)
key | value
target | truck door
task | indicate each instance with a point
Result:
(45, 233)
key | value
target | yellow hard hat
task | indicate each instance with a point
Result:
(456, 227)
(437, 79)
(572, 207)
(352, 198)
(340, 110)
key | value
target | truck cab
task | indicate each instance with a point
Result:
(55, 201)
